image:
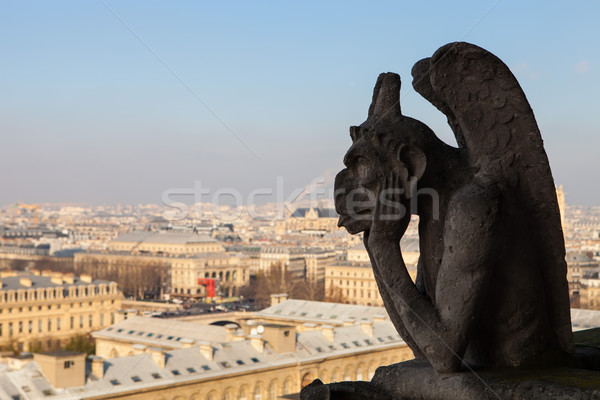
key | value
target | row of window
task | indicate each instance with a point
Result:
(11, 328)
(56, 293)
(49, 307)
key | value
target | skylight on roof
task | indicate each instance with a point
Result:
(191, 370)
(206, 367)
(136, 378)
(131, 331)
(254, 359)
(175, 372)
(225, 364)
(114, 382)
(239, 362)
(156, 375)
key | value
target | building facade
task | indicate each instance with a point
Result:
(44, 311)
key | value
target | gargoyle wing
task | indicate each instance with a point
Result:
(493, 121)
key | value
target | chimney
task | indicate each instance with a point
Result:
(379, 318)
(86, 278)
(308, 326)
(206, 349)
(158, 356)
(328, 332)
(367, 327)
(257, 342)
(348, 321)
(97, 366)
(26, 282)
(230, 332)
(278, 298)
(58, 280)
(69, 278)
(186, 343)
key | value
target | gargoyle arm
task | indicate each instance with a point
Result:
(442, 330)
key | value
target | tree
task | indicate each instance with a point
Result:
(82, 343)
(334, 294)
(277, 279)
(306, 289)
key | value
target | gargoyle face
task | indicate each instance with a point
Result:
(372, 156)
(357, 186)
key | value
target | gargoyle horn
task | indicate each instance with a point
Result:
(386, 99)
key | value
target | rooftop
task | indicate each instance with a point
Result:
(42, 281)
(163, 237)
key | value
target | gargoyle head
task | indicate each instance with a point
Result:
(386, 142)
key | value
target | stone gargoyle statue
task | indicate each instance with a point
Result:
(491, 289)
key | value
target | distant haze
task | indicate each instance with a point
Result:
(237, 94)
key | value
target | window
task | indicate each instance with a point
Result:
(240, 362)
(156, 376)
(72, 322)
(206, 367)
(191, 370)
(136, 379)
(175, 372)
(68, 364)
(254, 359)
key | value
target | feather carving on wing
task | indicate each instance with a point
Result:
(492, 119)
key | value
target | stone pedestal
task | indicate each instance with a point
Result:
(417, 380)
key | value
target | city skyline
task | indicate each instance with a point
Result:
(109, 102)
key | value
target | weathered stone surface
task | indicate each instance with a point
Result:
(344, 391)
(491, 290)
(417, 380)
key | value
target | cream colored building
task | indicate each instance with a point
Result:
(262, 356)
(232, 270)
(354, 278)
(46, 310)
(164, 243)
(309, 220)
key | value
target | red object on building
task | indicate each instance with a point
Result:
(210, 285)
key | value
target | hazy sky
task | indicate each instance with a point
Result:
(116, 102)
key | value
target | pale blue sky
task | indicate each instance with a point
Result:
(89, 114)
